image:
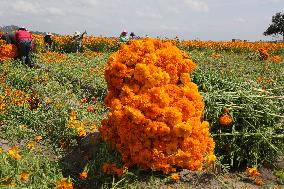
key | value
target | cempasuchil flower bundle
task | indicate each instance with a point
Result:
(155, 118)
(7, 52)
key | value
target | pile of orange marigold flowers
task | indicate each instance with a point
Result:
(8, 52)
(156, 111)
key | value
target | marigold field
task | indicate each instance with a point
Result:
(148, 114)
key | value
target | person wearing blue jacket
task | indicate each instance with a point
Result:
(123, 38)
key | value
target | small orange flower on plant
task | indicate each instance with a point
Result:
(91, 108)
(259, 182)
(14, 153)
(253, 172)
(38, 138)
(175, 177)
(93, 126)
(84, 100)
(226, 120)
(211, 158)
(215, 55)
(83, 175)
(64, 183)
(31, 145)
(276, 59)
(24, 176)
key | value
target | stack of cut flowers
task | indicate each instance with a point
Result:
(156, 112)
(7, 52)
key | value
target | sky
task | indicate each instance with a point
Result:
(215, 20)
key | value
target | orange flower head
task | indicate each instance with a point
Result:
(215, 55)
(83, 175)
(64, 183)
(31, 145)
(38, 138)
(24, 176)
(253, 172)
(14, 153)
(276, 59)
(226, 120)
(259, 182)
(81, 131)
(211, 159)
(84, 100)
(175, 177)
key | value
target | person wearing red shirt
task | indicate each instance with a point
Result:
(24, 42)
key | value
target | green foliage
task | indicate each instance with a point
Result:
(277, 25)
(257, 134)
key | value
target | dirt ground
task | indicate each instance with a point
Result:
(189, 179)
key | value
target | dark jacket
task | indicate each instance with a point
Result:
(47, 39)
(9, 38)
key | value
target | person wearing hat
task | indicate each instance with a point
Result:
(24, 43)
(78, 40)
(123, 38)
(133, 36)
(48, 41)
(9, 38)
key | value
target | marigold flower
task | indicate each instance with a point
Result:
(91, 109)
(14, 153)
(253, 172)
(215, 55)
(175, 177)
(93, 126)
(83, 175)
(211, 158)
(38, 138)
(64, 183)
(276, 59)
(263, 54)
(84, 100)
(259, 182)
(259, 79)
(24, 176)
(81, 131)
(31, 145)
(22, 126)
(226, 120)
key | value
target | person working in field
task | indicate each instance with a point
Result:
(24, 43)
(9, 38)
(133, 36)
(123, 38)
(48, 41)
(78, 40)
